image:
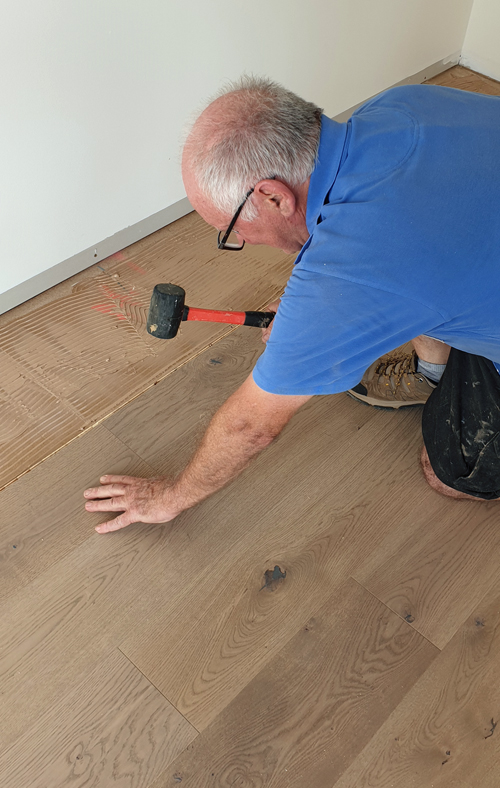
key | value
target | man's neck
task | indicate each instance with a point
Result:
(301, 193)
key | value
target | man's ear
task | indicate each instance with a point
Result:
(272, 195)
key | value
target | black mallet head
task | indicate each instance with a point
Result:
(166, 311)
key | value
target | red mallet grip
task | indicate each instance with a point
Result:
(256, 319)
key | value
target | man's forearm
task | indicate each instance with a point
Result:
(229, 444)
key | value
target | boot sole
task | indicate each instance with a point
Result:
(391, 405)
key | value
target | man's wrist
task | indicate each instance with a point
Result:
(177, 498)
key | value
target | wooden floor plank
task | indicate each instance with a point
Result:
(165, 424)
(435, 574)
(108, 587)
(56, 629)
(51, 520)
(202, 649)
(304, 718)
(465, 79)
(444, 733)
(113, 729)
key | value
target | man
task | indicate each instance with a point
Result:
(395, 217)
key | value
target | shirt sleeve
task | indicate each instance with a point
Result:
(328, 331)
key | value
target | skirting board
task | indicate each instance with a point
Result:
(94, 254)
(415, 79)
(99, 251)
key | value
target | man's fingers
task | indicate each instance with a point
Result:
(108, 505)
(266, 333)
(111, 479)
(138, 500)
(106, 491)
(114, 525)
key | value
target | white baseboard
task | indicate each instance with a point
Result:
(94, 254)
(490, 68)
(415, 79)
(99, 251)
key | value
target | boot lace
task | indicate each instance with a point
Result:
(396, 367)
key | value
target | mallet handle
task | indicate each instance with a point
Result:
(256, 319)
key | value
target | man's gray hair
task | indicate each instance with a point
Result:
(262, 131)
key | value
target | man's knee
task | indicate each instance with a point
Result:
(437, 484)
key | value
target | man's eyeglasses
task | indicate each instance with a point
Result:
(230, 240)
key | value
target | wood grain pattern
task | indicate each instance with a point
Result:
(114, 728)
(93, 597)
(435, 574)
(308, 714)
(444, 733)
(202, 649)
(51, 520)
(58, 627)
(107, 587)
(164, 424)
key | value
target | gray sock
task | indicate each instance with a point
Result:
(431, 371)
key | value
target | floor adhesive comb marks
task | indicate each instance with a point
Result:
(69, 363)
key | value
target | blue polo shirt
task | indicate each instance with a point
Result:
(403, 212)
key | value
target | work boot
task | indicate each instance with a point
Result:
(393, 382)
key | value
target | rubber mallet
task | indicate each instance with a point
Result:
(167, 310)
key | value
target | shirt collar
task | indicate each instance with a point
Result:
(331, 146)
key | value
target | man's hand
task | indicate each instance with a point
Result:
(140, 500)
(266, 332)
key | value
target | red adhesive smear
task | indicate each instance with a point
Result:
(128, 299)
(108, 309)
(110, 293)
(136, 267)
(122, 298)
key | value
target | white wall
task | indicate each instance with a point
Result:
(96, 93)
(481, 50)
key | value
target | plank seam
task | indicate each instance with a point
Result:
(396, 614)
(159, 690)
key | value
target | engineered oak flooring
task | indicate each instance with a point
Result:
(327, 620)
